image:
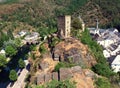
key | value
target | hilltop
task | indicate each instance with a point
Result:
(41, 16)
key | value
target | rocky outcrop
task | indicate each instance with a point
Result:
(84, 78)
(73, 50)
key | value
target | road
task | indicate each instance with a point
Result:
(20, 83)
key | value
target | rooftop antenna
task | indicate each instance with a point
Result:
(97, 28)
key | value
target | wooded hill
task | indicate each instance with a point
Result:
(39, 13)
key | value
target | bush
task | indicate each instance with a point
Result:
(13, 75)
(76, 24)
(59, 84)
(10, 50)
(3, 60)
(102, 83)
(102, 68)
(63, 65)
(21, 63)
(42, 49)
(59, 65)
(55, 40)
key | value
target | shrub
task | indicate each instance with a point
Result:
(102, 68)
(102, 83)
(10, 50)
(63, 65)
(58, 84)
(21, 63)
(13, 75)
(42, 49)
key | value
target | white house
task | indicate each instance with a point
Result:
(106, 43)
(115, 65)
(32, 38)
(22, 33)
(106, 53)
(115, 51)
(2, 52)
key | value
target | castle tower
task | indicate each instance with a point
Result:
(64, 26)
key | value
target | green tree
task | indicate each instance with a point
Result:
(9, 33)
(42, 49)
(102, 69)
(13, 75)
(17, 42)
(102, 83)
(58, 84)
(21, 63)
(10, 50)
(3, 37)
(3, 61)
(76, 24)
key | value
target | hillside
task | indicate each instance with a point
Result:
(106, 11)
(41, 16)
(39, 13)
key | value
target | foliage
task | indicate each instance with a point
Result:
(102, 83)
(70, 8)
(59, 84)
(13, 75)
(3, 37)
(55, 40)
(111, 11)
(3, 61)
(21, 63)
(76, 24)
(63, 65)
(33, 47)
(14, 43)
(9, 1)
(42, 49)
(102, 68)
(45, 31)
(10, 50)
(17, 42)
(9, 33)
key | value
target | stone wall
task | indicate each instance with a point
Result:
(64, 73)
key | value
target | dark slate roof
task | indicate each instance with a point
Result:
(111, 59)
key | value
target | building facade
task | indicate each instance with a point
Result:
(64, 26)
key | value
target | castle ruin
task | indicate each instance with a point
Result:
(64, 26)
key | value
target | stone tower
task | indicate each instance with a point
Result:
(64, 26)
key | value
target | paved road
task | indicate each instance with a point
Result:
(20, 83)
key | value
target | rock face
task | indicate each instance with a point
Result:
(48, 77)
(73, 50)
(84, 78)
(65, 73)
(40, 79)
(44, 65)
(55, 75)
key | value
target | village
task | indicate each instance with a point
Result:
(107, 38)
